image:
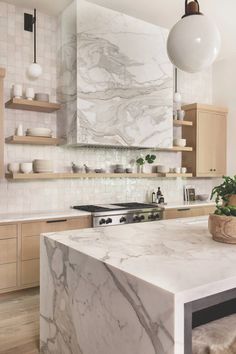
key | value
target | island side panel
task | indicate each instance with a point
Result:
(88, 307)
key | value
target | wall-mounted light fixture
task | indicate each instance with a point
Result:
(194, 42)
(34, 70)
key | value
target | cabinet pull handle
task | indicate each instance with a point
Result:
(211, 169)
(184, 209)
(54, 221)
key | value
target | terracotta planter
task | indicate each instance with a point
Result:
(222, 228)
(232, 200)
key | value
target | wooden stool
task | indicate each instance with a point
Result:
(217, 337)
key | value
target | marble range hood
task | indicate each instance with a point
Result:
(116, 81)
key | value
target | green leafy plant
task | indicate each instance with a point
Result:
(140, 161)
(222, 193)
(150, 158)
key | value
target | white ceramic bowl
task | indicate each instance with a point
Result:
(26, 167)
(179, 142)
(203, 197)
(44, 97)
(13, 167)
(163, 169)
(177, 170)
(44, 132)
(42, 166)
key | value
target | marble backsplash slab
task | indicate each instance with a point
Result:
(124, 80)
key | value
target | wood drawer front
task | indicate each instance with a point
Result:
(8, 231)
(8, 251)
(188, 212)
(8, 276)
(30, 272)
(36, 228)
(30, 247)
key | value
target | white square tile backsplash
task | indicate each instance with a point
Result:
(16, 53)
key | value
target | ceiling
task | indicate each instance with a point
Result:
(167, 12)
(161, 12)
(50, 7)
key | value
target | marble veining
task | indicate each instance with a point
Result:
(123, 289)
(124, 80)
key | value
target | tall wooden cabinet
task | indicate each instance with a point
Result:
(208, 139)
(2, 75)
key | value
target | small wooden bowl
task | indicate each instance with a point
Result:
(222, 228)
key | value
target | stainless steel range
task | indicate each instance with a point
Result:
(122, 213)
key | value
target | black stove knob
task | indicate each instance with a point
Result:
(108, 221)
(137, 218)
(123, 219)
(142, 217)
(156, 216)
(102, 221)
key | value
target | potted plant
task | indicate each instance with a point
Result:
(150, 158)
(225, 192)
(222, 224)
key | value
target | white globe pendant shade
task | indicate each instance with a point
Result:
(193, 43)
(35, 70)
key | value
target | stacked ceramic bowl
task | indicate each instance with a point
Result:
(43, 166)
(41, 132)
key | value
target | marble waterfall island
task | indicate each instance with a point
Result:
(123, 289)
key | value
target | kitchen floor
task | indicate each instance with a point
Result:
(19, 322)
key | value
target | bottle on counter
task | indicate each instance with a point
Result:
(160, 197)
(154, 200)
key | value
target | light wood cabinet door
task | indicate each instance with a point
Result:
(211, 144)
(186, 212)
(207, 136)
(30, 243)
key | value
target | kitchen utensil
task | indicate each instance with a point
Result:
(13, 167)
(119, 170)
(19, 130)
(163, 169)
(203, 197)
(26, 167)
(42, 132)
(77, 169)
(180, 114)
(100, 170)
(88, 169)
(44, 97)
(177, 170)
(29, 93)
(183, 170)
(17, 91)
(179, 142)
(43, 166)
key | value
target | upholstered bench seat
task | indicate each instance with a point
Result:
(217, 337)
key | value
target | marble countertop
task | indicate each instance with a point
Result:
(176, 255)
(41, 215)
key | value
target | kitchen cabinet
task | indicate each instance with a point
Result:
(208, 139)
(20, 249)
(2, 75)
(8, 257)
(186, 212)
(30, 243)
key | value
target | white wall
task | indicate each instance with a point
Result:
(224, 94)
(15, 55)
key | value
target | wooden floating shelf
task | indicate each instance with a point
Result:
(180, 123)
(36, 176)
(35, 106)
(33, 140)
(175, 149)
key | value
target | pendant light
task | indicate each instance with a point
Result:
(34, 70)
(194, 42)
